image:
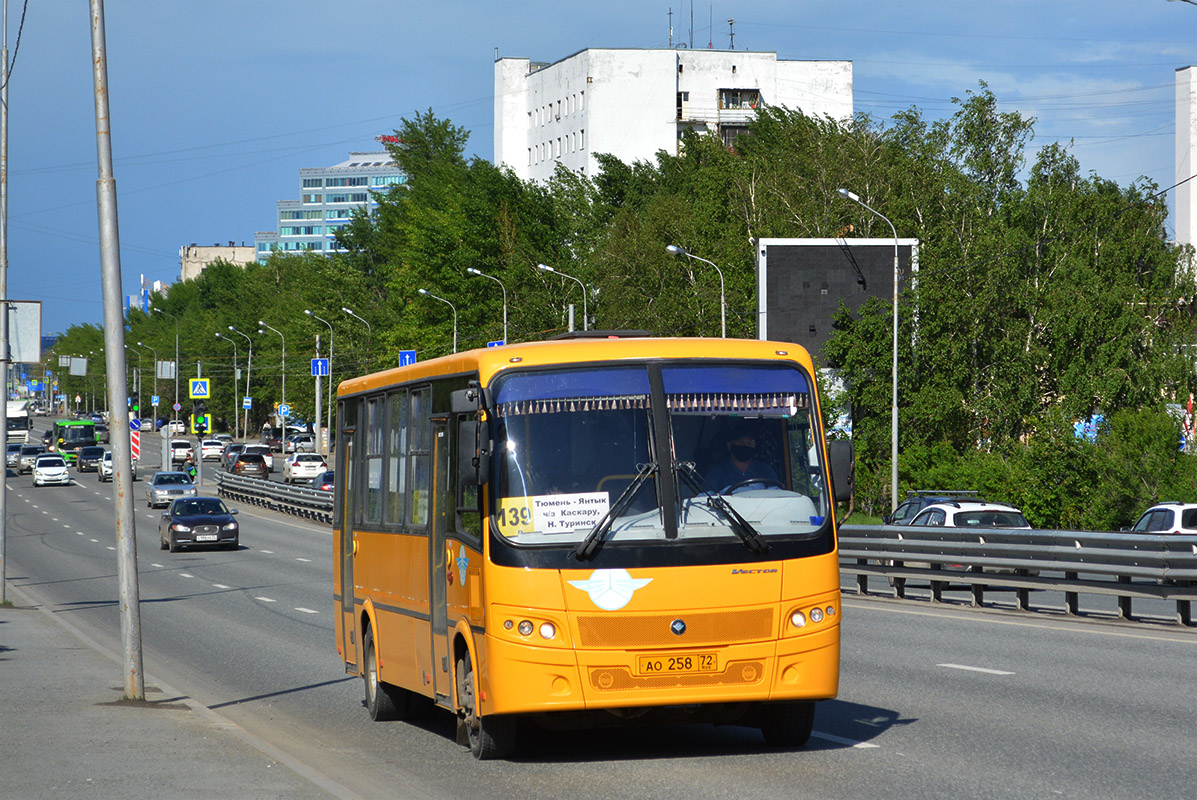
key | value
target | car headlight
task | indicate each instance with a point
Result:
(232, 526)
(180, 527)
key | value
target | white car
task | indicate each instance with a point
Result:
(210, 449)
(105, 469)
(51, 469)
(1167, 517)
(971, 514)
(303, 467)
(299, 443)
(181, 450)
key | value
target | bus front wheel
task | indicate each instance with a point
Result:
(788, 724)
(489, 737)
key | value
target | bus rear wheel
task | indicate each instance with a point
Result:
(491, 736)
(788, 724)
(383, 700)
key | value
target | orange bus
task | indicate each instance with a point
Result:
(606, 525)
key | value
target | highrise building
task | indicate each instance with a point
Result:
(328, 197)
(632, 103)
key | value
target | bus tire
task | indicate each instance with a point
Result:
(383, 701)
(788, 724)
(489, 737)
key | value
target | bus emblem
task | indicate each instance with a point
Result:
(610, 589)
(678, 626)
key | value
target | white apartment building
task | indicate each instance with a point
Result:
(632, 103)
(328, 197)
(193, 258)
(1184, 211)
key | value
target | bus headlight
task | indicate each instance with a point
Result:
(547, 630)
(798, 619)
(525, 627)
(816, 615)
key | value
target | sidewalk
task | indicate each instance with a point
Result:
(64, 731)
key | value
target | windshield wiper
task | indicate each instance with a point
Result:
(594, 540)
(740, 526)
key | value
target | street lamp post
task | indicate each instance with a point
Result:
(327, 427)
(249, 368)
(473, 271)
(220, 335)
(585, 316)
(174, 413)
(369, 338)
(681, 251)
(427, 293)
(284, 338)
(155, 352)
(893, 455)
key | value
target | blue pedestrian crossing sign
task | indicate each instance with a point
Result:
(319, 367)
(198, 389)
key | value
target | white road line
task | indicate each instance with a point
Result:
(306, 610)
(304, 560)
(269, 552)
(841, 740)
(976, 669)
(266, 599)
(110, 547)
(186, 575)
(221, 586)
(54, 519)
(156, 566)
(68, 527)
(97, 541)
(80, 533)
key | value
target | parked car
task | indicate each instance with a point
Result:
(13, 455)
(264, 452)
(177, 426)
(29, 454)
(303, 467)
(164, 487)
(1167, 517)
(324, 481)
(210, 449)
(181, 450)
(230, 453)
(105, 469)
(250, 465)
(300, 442)
(971, 514)
(198, 522)
(51, 468)
(87, 459)
(919, 499)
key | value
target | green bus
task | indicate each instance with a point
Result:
(71, 434)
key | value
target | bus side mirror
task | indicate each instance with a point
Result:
(473, 454)
(465, 401)
(841, 460)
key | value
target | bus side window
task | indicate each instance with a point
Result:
(469, 512)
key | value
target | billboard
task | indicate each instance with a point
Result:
(801, 283)
(25, 331)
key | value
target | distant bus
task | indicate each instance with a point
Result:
(71, 434)
(558, 528)
(20, 421)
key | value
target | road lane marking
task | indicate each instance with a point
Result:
(269, 552)
(186, 575)
(97, 541)
(306, 610)
(305, 560)
(68, 527)
(266, 599)
(986, 670)
(841, 740)
(221, 586)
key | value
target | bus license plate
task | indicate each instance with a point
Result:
(677, 663)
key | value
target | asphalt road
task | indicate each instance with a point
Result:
(934, 702)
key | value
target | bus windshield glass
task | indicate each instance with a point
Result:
(579, 447)
(74, 435)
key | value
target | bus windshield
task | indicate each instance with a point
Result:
(73, 435)
(731, 443)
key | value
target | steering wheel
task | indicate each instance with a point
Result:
(753, 481)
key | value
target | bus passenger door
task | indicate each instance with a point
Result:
(344, 474)
(441, 518)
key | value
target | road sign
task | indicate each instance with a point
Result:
(177, 407)
(496, 343)
(154, 401)
(407, 357)
(135, 443)
(284, 410)
(247, 402)
(134, 424)
(320, 367)
(198, 389)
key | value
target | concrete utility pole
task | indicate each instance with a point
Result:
(4, 351)
(319, 433)
(114, 351)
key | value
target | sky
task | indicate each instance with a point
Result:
(216, 105)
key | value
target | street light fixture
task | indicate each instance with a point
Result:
(284, 338)
(585, 316)
(427, 293)
(220, 335)
(328, 427)
(249, 368)
(681, 251)
(893, 455)
(369, 335)
(473, 271)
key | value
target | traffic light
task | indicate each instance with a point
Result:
(200, 424)
(200, 407)
(134, 403)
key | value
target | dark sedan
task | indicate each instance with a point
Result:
(251, 465)
(198, 522)
(324, 481)
(88, 458)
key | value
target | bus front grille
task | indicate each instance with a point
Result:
(653, 630)
(737, 673)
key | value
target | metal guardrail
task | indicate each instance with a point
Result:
(297, 500)
(1126, 566)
